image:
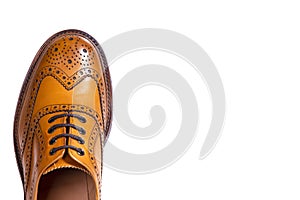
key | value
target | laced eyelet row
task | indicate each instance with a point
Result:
(66, 135)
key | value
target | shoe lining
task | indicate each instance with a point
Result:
(66, 184)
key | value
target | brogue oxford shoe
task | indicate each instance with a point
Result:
(63, 119)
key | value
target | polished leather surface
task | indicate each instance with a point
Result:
(67, 90)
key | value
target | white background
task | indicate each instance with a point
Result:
(255, 46)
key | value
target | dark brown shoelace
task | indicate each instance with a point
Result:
(66, 135)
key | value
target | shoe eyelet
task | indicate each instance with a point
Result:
(81, 141)
(80, 152)
(51, 152)
(51, 142)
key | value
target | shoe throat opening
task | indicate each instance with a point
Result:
(66, 178)
(67, 184)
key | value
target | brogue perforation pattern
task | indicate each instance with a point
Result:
(68, 82)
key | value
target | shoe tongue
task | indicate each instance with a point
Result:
(63, 163)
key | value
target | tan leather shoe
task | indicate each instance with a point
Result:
(63, 119)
